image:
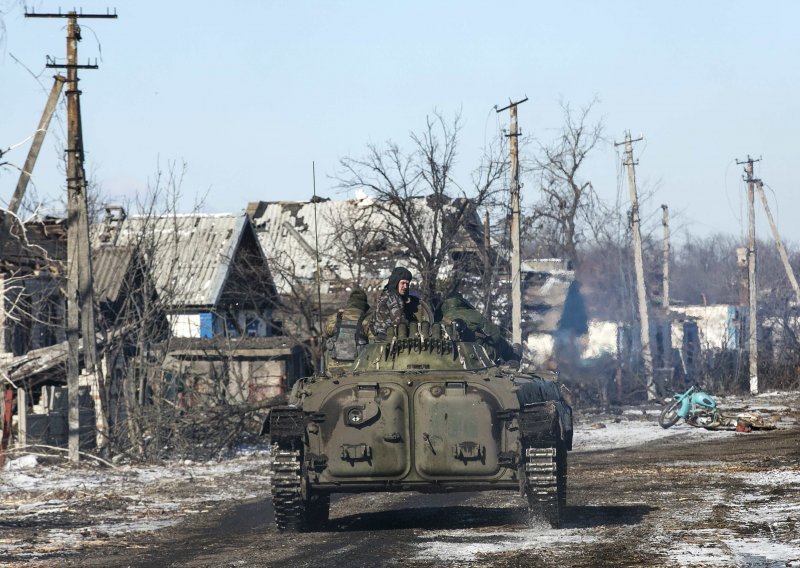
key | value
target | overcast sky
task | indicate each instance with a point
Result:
(248, 93)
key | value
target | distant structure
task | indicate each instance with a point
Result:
(356, 248)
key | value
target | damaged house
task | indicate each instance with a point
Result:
(32, 323)
(32, 257)
(203, 284)
(686, 341)
(358, 247)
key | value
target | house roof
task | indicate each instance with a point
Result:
(292, 231)
(192, 253)
(109, 269)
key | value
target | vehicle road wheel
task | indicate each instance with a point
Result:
(669, 416)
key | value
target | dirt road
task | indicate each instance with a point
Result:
(732, 500)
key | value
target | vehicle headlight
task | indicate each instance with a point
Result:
(355, 416)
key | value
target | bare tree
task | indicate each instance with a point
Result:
(357, 241)
(704, 270)
(568, 203)
(415, 190)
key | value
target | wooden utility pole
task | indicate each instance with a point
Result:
(741, 268)
(641, 292)
(516, 274)
(751, 273)
(778, 241)
(80, 296)
(665, 258)
(33, 154)
(36, 145)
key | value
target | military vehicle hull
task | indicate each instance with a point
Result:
(396, 422)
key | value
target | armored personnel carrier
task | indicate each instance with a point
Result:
(421, 411)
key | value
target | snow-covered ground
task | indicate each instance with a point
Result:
(39, 500)
(635, 426)
(43, 499)
(639, 425)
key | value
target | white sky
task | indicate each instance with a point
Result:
(248, 93)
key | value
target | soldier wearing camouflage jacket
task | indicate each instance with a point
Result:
(395, 304)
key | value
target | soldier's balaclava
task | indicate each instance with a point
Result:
(397, 275)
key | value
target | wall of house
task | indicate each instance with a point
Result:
(718, 326)
(602, 339)
(248, 323)
(539, 347)
(244, 380)
(257, 380)
(185, 325)
(209, 324)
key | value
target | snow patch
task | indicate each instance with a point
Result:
(624, 434)
(466, 545)
(699, 554)
(131, 499)
(762, 553)
(21, 463)
(116, 529)
(776, 478)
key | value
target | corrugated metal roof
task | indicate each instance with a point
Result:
(287, 233)
(192, 253)
(109, 269)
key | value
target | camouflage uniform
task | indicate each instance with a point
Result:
(479, 329)
(393, 308)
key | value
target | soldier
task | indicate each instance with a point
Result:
(396, 304)
(478, 328)
(346, 332)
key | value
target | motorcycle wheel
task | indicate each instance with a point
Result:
(669, 416)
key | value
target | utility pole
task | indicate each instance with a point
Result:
(751, 272)
(36, 145)
(778, 241)
(80, 296)
(665, 258)
(644, 321)
(516, 274)
(33, 154)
